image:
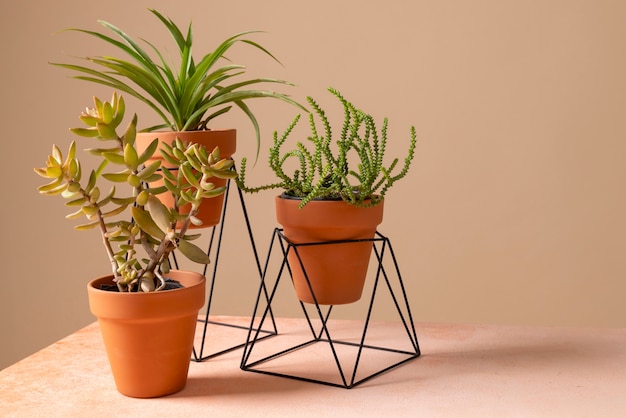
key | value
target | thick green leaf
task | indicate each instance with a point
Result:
(146, 223)
(149, 151)
(190, 175)
(86, 227)
(147, 172)
(131, 159)
(57, 185)
(114, 157)
(85, 132)
(131, 132)
(116, 177)
(114, 212)
(160, 214)
(193, 252)
(106, 131)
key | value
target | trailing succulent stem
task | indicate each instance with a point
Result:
(350, 168)
(138, 248)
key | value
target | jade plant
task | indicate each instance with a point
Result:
(349, 168)
(138, 231)
(188, 95)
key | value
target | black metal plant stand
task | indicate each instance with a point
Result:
(215, 246)
(269, 362)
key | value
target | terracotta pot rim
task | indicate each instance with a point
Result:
(226, 139)
(197, 130)
(92, 285)
(286, 196)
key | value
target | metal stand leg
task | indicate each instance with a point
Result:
(207, 324)
(321, 328)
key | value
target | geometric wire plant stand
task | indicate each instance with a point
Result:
(215, 246)
(319, 335)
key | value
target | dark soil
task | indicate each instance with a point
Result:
(169, 285)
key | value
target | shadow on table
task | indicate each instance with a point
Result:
(241, 384)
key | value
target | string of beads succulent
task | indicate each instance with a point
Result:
(144, 242)
(350, 168)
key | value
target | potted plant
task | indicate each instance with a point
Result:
(332, 194)
(187, 97)
(147, 312)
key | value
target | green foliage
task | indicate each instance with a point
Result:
(351, 168)
(181, 95)
(154, 230)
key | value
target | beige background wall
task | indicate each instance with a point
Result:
(513, 212)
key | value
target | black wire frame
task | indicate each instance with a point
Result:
(381, 246)
(217, 233)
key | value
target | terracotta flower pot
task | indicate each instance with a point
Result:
(336, 271)
(149, 336)
(211, 209)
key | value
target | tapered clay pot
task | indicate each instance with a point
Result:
(149, 336)
(226, 139)
(336, 271)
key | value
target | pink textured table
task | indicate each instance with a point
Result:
(464, 370)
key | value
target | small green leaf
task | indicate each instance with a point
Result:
(154, 177)
(114, 212)
(89, 210)
(54, 172)
(119, 109)
(149, 170)
(116, 177)
(189, 174)
(149, 151)
(142, 198)
(171, 187)
(107, 113)
(89, 120)
(73, 187)
(160, 214)
(193, 252)
(51, 186)
(146, 223)
(131, 132)
(213, 193)
(75, 215)
(86, 227)
(76, 202)
(114, 157)
(106, 131)
(85, 132)
(57, 156)
(133, 180)
(123, 201)
(131, 159)
(227, 174)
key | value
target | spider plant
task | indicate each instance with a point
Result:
(186, 96)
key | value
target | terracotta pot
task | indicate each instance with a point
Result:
(336, 271)
(211, 209)
(149, 336)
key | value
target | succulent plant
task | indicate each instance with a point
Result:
(181, 96)
(138, 246)
(350, 168)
